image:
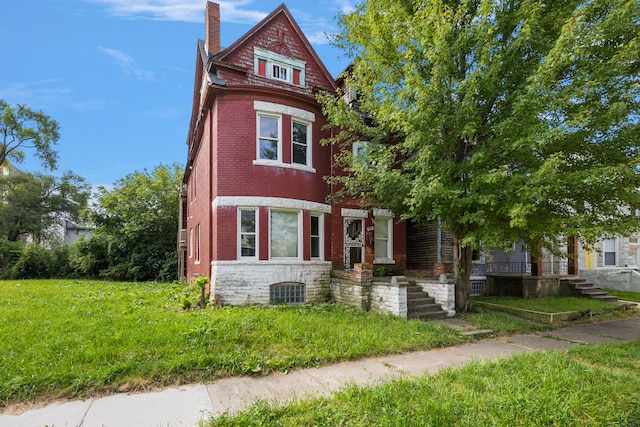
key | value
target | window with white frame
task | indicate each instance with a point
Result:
(301, 142)
(191, 243)
(248, 232)
(609, 251)
(275, 66)
(269, 141)
(284, 234)
(197, 243)
(383, 228)
(316, 236)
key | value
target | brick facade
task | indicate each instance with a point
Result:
(226, 173)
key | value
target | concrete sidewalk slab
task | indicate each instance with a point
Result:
(600, 333)
(184, 406)
(536, 342)
(57, 414)
(234, 394)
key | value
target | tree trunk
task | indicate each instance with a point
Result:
(462, 257)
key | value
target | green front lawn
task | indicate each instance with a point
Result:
(586, 386)
(626, 296)
(550, 309)
(70, 338)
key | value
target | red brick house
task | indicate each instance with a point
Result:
(256, 214)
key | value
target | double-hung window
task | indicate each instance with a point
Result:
(316, 236)
(276, 66)
(383, 236)
(248, 232)
(269, 137)
(609, 247)
(301, 142)
(284, 234)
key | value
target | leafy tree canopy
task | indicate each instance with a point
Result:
(36, 205)
(137, 221)
(22, 128)
(508, 119)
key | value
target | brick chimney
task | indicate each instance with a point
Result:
(212, 25)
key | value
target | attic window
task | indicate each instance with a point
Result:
(278, 67)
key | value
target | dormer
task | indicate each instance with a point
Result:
(279, 67)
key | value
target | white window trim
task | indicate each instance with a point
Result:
(191, 243)
(282, 61)
(270, 109)
(320, 217)
(300, 237)
(616, 251)
(309, 139)
(258, 160)
(239, 232)
(388, 260)
(197, 244)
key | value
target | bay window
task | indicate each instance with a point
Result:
(284, 234)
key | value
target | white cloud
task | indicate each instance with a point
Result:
(183, 10)
(128, 64)
(36, 94)
(346, 6)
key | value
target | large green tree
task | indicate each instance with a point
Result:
(22, 128)
(137, 226)
(505, 119)
(37, 205)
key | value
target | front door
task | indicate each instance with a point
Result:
(353, 242)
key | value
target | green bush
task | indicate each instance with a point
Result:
(35, 262)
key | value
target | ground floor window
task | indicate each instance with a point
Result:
(316, 241)
(248, 232)
(287, 293)
(609, 252)
(284, 234)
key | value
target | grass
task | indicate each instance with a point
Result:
(503, 323)
(63, 338)
(625, 296)
(586, 386)
(551, 308)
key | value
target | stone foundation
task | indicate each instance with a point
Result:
(244, 283)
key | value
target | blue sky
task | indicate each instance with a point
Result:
(117, 75)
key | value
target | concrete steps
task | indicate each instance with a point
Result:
(582, 287)
(421, 306)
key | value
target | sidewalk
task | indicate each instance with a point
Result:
(185, 406)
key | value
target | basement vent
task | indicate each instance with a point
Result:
(287, 293)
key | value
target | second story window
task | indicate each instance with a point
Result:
(278, 67)
(268, 137)
(300, 143)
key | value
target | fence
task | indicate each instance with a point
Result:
(551, 267)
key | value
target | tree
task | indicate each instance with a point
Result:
(33, 204)
(20, 128)
(505, 119)
(138, 223)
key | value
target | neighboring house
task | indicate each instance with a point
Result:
(256, 214)
(72, 232)
(612, 263)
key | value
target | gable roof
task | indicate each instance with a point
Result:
(281, 10)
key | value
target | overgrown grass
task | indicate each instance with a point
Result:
(626, 296)
(576, 307)
(503, 323)
(79, 338)
(586, 386)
